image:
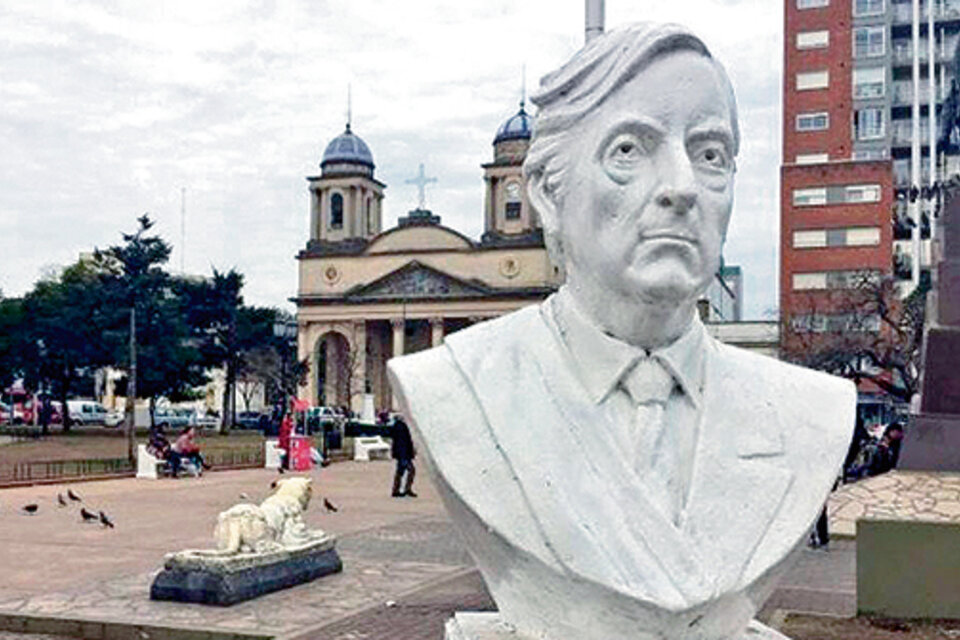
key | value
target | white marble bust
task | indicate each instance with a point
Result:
(615, 471)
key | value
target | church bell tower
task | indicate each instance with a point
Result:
(345, 199)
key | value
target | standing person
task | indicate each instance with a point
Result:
(403, 452)
(283, 436)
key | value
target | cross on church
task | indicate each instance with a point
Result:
(421, 181)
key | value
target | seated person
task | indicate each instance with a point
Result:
(186, 447)
(159, 447)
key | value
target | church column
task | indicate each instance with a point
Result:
(436, 332)
(398, 325)
(358, 360)
(306, 351)
(314, 213)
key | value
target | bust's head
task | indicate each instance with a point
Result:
(631, 166)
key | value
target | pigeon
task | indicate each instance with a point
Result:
(329, 506)
(244, 496)
(60, 500)
(281, 470)
(73, 496)
(273, 485)
(105, 521)
(87, 516)
(30, 509)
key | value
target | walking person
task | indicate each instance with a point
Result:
(403, 452)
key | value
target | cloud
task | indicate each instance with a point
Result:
(109, 109)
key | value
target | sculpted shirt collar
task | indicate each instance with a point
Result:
(604, 360)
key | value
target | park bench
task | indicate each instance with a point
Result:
(365, 446)
(272, 453)
(151, 467)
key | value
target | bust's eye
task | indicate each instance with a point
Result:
(625, 153)
(711, 156)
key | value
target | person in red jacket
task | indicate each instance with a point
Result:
(286, 430)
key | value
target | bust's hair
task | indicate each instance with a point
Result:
(584, 83)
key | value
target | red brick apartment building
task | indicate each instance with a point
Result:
(845, 173)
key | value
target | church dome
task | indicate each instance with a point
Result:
(347, 148)
(518, 127)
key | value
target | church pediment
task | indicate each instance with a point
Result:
(417, 280)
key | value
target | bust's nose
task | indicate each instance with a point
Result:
(677, 189)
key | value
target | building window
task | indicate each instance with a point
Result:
(869, 83)
(812, 158)
(840, 322)
(868, 42)
(809, 197)
(857, 193)
(867, 8)
(336, 211)
(813, 121)
(842, 237)
(841, 279)
(512, 208)
(813, 39)
(812, 4)
(836, 194)
(870, 124)
(813, 80)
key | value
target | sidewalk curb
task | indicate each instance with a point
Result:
(91, 629)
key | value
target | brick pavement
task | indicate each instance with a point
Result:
(398, 551)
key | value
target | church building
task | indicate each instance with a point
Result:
(367, 293)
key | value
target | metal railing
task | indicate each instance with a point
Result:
(43, 470)
(943, 10)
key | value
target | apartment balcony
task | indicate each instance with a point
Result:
(942, 11)
(902, 134)
(903, 54)
(903, 94)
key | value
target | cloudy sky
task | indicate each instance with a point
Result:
(108, 109)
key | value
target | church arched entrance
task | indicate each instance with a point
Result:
(333, 370)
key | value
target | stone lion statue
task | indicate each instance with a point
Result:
(275, 524)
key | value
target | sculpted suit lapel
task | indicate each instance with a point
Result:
(572, 473)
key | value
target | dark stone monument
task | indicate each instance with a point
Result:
(229, 580)
(933, 439)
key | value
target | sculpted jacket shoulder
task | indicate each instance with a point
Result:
(543, 494)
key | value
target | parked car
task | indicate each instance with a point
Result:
(203, 420)
(173, 418)
(251, 420)
(84, 412)
(323, 418)
(115, 418)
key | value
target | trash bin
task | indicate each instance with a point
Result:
(300, 459)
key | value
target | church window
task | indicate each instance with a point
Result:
(336, 211)
(512, 210)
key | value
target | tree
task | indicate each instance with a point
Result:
(11, 340)
(151, 335)
(867, 332)
(62, 344)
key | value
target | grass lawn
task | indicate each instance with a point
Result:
(98, 442)
(807, 627)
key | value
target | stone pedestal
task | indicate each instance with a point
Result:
(208, 578)
(471, 625)
(932, 441)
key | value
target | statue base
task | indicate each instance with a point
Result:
(209, 577)
(472, 625)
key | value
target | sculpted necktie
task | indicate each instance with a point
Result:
(649, 385)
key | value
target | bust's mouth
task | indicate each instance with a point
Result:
(668, 236)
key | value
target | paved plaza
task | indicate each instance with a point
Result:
(405, 570)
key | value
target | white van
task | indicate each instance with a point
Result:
(87, 412)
